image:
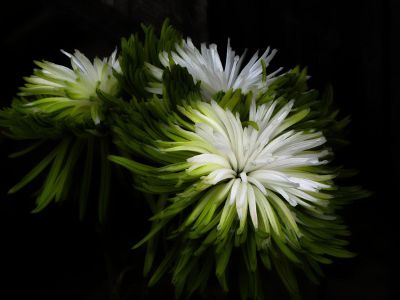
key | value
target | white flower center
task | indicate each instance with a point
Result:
(257, 160)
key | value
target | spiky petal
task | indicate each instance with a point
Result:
(206, 67)
(72, 92)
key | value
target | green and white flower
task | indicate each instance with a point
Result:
(71, 92)
(239, 159)
(206, 66)
(257, 160)
(237, 171)
(253, 163)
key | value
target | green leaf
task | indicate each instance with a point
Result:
(35, 171)
(134, 53)
(293, 120)
(264, 205)
(284, 212)
(86, 178)
(26, 150)
(222, 260)
(250, 253)
(250, 123)
(266, 260)
(178, 84)
(287, 276)
(264, 70)
(200, 278)
(286, 250)
(162, 268)
(51, 184)
(104, 192)
(64, 178)
(135, 167)
(231, 99)
(160, 225)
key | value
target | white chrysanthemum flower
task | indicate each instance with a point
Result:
(261, 160)
(206, 66)
(62, 88)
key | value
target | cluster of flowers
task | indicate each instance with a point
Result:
(237, 160)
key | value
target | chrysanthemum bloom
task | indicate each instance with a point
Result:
(257, 162)
(72, 92)
(64, 108)
(62, 105)
(205, 66)
(237, 171)
(248, 162)
(241, 160)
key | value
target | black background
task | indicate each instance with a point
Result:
(353, 46)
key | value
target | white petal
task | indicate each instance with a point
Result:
(243, 176)
(273, 177)
(288, 197)
(208, 158)
(241, 200)
(234, 191)
(219, 175)
(252, 205)
(155, 71)
(242, 196)
(257, 184)
(206, 67)
(309, 185)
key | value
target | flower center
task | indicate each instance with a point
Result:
(243, 176)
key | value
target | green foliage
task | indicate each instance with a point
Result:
(321, 114)
(177, 85)
(20, 125)
(135, 77)
(71, 157)
(72, 145)
(81, 147)
(197, 215)
(153, 135)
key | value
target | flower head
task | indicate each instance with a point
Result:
(206, 66)
(252, 164)
(72, 92)
(257, 161)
